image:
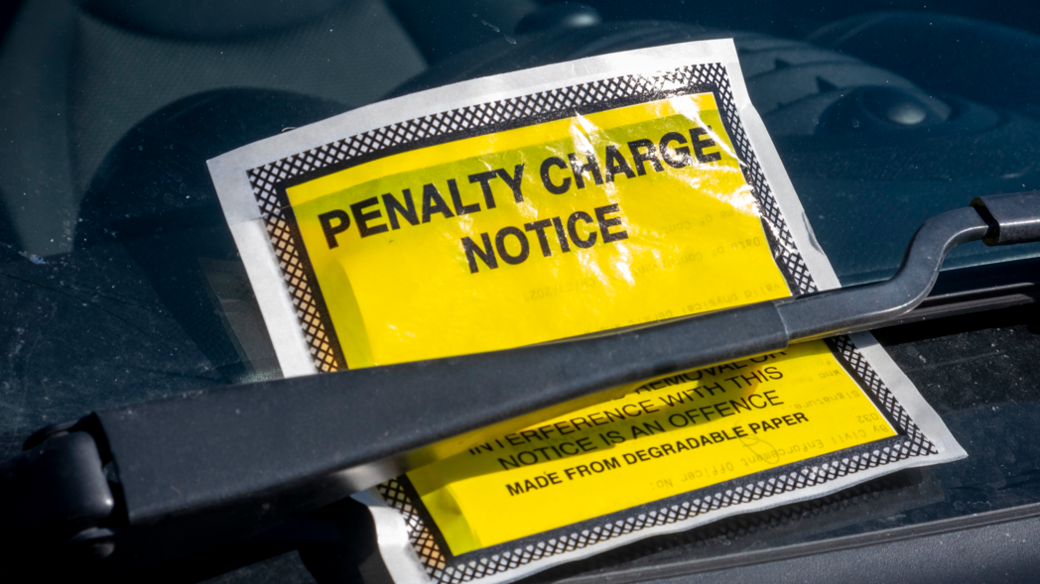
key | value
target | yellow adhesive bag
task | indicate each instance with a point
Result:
(548, 204)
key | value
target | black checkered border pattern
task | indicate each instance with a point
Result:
(441, 568)
(265, 180)
(865, 493)
(785, 252)
(299, 280)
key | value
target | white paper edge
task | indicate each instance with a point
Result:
(393, 543)
(240, 207)
(261, 264)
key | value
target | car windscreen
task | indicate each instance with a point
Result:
(120, 281)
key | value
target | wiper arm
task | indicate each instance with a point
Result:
(192, 471)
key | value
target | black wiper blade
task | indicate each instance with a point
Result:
(206, 467)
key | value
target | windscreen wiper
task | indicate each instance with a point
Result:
(141, 483)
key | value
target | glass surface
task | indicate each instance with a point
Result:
(119, 282)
